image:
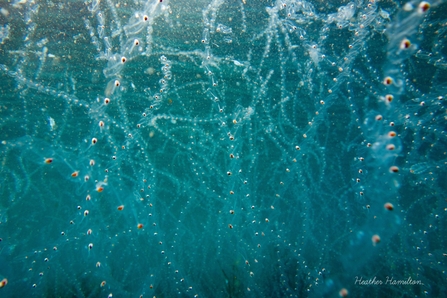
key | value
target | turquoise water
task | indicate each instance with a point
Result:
(223, 148)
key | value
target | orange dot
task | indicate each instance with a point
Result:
(99, 189)
(388, 81)
(343, 293)
(121, 207)
(390, 147)
(3, 283)
(389, 206)
(140, 226)
(423, 7)
(375, 239)
(75, 174)
(48, 160)
(394, 169)
(389, 98)
(392, 134)
(103, 283)
(405, 44)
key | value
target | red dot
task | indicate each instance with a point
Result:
(343, 293)
(375, 239)
(389, 206)
(3, 282)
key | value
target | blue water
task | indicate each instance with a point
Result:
(223, 148)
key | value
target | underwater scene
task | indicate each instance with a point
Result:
(223, 148)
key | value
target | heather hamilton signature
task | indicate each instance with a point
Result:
(389, 280)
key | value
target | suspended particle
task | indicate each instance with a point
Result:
(121, 207)
(422, 103)
(123, 60)
(106, 101)
(322, 101)
(394, 169)
(379, 117)
(234, 121)
(140, 226)
(98, 264)
(88, 198)
(110, 295)
(360, 171)
(89, 231)
(229, 173)
(86, 212)
(92, 162)
(389, 98)
(99, 189)
(136, 42)
(94, 141)
(79, 207)
(75, 174)
(230, 226)
(375, 239)
(231, 138)
(388, 81)
(391, 123)
(86, 178)
(297, 148)
(103, 283)
(145, 18)
(423, 7)
(90, 246)
(343, 293)
(405, 44)
(231, 155)
(266, 220)
(101, 123)
(231, 211)
(389, 206)
(3, 283)
(117, 83)
(54, 248)
(392, 134)
(231, 192)
(48, 160)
